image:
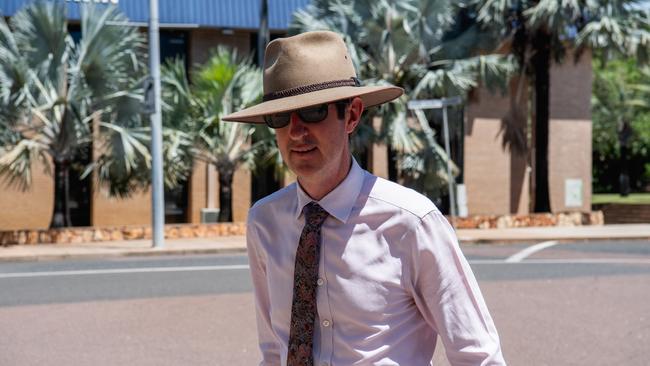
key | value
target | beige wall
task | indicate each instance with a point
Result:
(379, 155)
(113, 211)
(570, 131)
(202, 196)
(197, 191)
(202, 41)
(486, 169)
(31, 209)
(496, 179)
(241, 194)
(569, 158)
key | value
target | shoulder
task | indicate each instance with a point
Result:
(278, 200)
(401, 198)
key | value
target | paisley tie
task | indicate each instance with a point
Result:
(303, 307)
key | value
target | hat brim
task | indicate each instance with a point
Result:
(371, 96)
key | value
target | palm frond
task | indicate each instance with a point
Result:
(493, 13)
(16, 162)
(41, 34)
(108, 54)
(554, 14)
(177, 147)
(124, 162)
(14, 74)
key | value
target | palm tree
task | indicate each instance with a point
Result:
(224, 84)
(58, 96)
(414, 44)
(540, 32)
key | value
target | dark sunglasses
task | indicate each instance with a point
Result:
(312, 114)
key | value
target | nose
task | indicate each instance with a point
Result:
(297, 128)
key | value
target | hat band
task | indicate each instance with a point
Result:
(311, 88)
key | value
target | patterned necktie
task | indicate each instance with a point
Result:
(303, 307)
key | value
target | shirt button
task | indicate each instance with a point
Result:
(320, 282)
(326, 323)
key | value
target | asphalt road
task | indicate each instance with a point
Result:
(553, 304)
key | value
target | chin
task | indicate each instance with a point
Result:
(305, 170)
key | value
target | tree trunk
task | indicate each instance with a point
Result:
(225, 195)
(61, 214)
(392, 164)
(541, 63)
(624, 137)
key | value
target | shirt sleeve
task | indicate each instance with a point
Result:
(266, 338)
(447, 294)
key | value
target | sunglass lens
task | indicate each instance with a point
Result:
(277, 120)
(309, 115)
(313, 114)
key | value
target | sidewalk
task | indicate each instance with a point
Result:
(560, 233)
(237, 244)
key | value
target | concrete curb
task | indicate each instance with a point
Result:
(237, 244)
(533, 240)
(117, 254)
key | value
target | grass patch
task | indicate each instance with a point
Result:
(633, 198)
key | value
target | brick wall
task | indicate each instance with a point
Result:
(496, 179)
(570, 131)
(241, 194)
(202, 41)
(31, 209)
(108, 211)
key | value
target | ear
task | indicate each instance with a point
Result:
(356, 109)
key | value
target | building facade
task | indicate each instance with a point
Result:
(496, 180)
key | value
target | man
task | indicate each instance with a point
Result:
(348, 268)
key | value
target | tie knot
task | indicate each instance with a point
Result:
(314, 214)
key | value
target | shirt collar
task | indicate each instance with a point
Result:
(340, 201)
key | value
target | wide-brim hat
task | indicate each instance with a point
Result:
(309, 69)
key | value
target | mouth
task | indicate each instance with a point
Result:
(303, 149)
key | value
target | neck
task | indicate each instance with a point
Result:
(319, 187)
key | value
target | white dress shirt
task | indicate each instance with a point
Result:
(391, 278)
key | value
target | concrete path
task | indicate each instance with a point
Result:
(535, 234)
(230, 244)
(225, 244)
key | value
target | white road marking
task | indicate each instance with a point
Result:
(519, 256)
(122, 271)
(567, 261)
(645, 261)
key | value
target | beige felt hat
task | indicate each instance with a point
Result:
(310, 69)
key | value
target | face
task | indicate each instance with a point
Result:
(318, 153)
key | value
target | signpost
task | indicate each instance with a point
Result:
(418, 106)
(157, 193)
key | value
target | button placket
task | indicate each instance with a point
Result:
(324, 311)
